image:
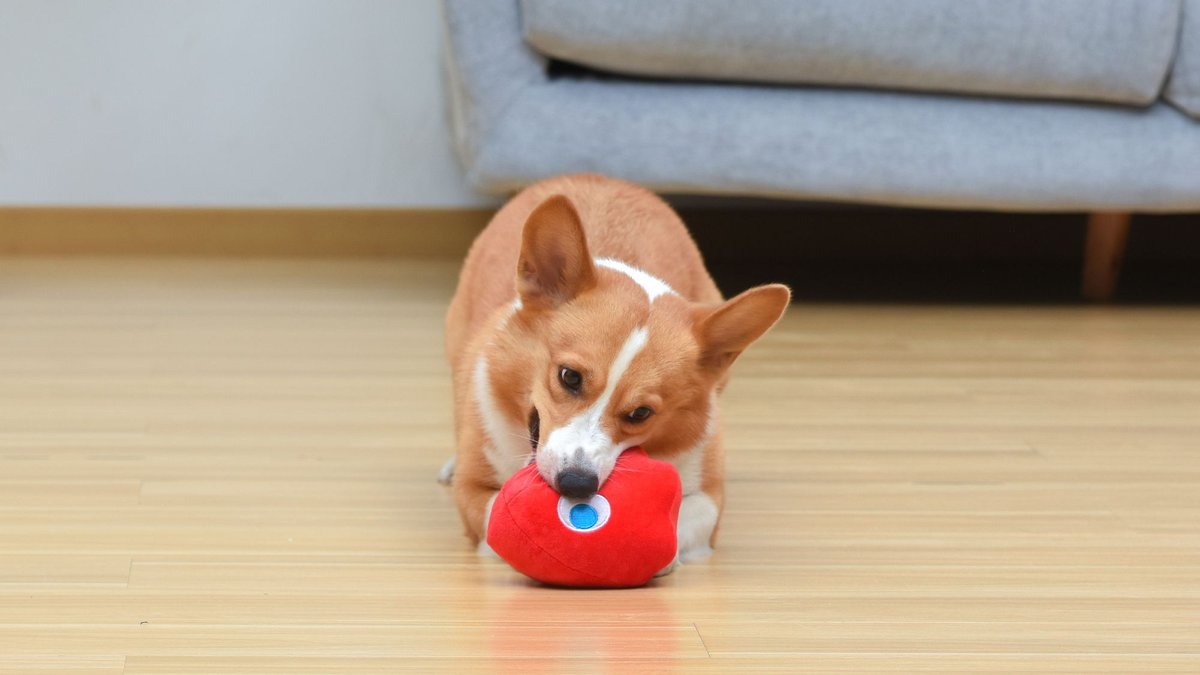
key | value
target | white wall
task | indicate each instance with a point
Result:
(225, 103)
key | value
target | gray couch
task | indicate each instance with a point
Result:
(1046, 105)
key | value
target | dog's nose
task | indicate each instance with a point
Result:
(577, 484)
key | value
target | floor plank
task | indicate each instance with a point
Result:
(226, 466)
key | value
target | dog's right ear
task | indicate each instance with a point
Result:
(555, 265)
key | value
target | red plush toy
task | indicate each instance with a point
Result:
(619, 538)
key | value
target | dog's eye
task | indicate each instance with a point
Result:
(571, 379)
(639, 414)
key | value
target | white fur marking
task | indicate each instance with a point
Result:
(584, 430)
(697, 519)
(446, 473)
(633, 345)
(507, 450)
(652, 285)
(669, 568)
(484, 549)
(690, 463)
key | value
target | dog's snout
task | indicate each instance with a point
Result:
(577, 484)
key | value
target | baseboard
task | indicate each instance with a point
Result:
(316, 232)
(733, 234)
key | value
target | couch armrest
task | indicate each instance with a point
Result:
(488, 66)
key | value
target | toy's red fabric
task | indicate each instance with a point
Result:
(616, 540)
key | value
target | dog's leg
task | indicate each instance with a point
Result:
(474, 488)
(475, 506)
(700, 510)
(483, 548)
(698, 514)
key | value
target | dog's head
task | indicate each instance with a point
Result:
(617, 358)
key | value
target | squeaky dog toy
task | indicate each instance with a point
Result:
(618, 538)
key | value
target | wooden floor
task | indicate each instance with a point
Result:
(228, 466)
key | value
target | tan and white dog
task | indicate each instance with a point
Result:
(585, 323)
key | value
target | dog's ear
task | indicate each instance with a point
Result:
(555, 265)
(725, 332)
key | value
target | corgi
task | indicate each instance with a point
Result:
(585, 323)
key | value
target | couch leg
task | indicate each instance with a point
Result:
(1102, 254)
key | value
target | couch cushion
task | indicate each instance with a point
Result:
(1184, 88)
(1105, 50)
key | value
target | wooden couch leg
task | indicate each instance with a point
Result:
(1102, 254)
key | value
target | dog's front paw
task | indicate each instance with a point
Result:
(693, 554)
(483, 550)
(446, 473)
(668, 569)
(698, 515)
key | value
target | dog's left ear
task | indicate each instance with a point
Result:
(725, 332)
(555, 265)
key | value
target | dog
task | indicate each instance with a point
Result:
(585, 323)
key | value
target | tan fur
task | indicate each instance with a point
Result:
(540, 247)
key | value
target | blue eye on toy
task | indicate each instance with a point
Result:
(584, 515)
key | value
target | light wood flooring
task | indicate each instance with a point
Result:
(227, 466)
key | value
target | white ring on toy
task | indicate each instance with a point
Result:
(598, 505)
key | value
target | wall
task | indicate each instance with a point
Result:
(225, 103)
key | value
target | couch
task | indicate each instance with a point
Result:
(1022, 105)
